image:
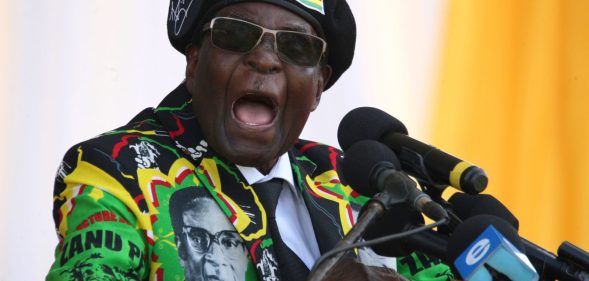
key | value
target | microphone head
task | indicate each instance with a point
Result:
(366, 123)
(360, 163)
(468, 205)
(471, 228)
(394, 220)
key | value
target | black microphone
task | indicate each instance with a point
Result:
(486, 247)
(574, 254)
(401, 218)
(468, 205)
(548, 265)
(420, 160)
(370, 167)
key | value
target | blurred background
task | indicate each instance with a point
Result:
(503, 84)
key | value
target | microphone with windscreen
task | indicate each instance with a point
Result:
(371, 167)
(467, 205)
(426, 163)
(546, 263)
(485, 247)
(400, 218)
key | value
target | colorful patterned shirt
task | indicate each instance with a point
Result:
(152, 201)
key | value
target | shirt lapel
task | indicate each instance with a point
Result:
(326, 207)
(325, 196)
(225, 183)
(242, 206)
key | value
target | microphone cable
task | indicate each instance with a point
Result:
(379, 240)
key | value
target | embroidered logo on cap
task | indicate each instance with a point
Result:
(179, 13)
(316, 5)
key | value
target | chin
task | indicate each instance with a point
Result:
(261, 163)
(261, 158)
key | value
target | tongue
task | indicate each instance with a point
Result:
(253, 113)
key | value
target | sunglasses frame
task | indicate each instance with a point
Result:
(264, 31)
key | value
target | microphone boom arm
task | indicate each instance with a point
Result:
(371, 211)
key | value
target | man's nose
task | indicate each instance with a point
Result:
(213, 261)
(264, 58)
(214, 253)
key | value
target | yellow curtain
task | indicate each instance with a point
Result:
(514, 99)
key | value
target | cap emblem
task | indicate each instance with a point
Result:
(178, 13)
(316, 5)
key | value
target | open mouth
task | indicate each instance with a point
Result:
(254, 110)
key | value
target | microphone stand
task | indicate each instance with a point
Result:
(371, 211)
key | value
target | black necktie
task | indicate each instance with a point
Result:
(291, 267)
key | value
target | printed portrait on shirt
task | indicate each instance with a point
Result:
(208, 245)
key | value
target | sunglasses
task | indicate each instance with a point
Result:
(241, 36)
(200, 240)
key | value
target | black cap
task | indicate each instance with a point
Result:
(332, 20)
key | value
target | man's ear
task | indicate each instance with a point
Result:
(181, 250)
(191, 61)
(322, 82)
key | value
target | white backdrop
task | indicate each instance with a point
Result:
(72, 69)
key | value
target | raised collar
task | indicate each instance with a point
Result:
(176, 115)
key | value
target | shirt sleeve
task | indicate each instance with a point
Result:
(97, 238)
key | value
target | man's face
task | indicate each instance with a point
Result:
(252, 107)
(214, 250)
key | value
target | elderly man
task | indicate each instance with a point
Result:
(209, 247)
(255, 71)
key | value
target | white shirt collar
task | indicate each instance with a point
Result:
(293, 220)
(282, 169)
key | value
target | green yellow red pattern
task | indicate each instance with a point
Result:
(112, 197)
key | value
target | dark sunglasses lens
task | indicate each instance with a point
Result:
(234, 35)
(299, 48)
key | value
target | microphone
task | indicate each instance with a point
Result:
(495, 253)
(420, 160)
(574, 254)
(549, 265)
(370, 167)
(467, 205)
(487, 259)
(401, 218)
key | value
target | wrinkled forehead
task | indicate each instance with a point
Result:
(205, 213)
